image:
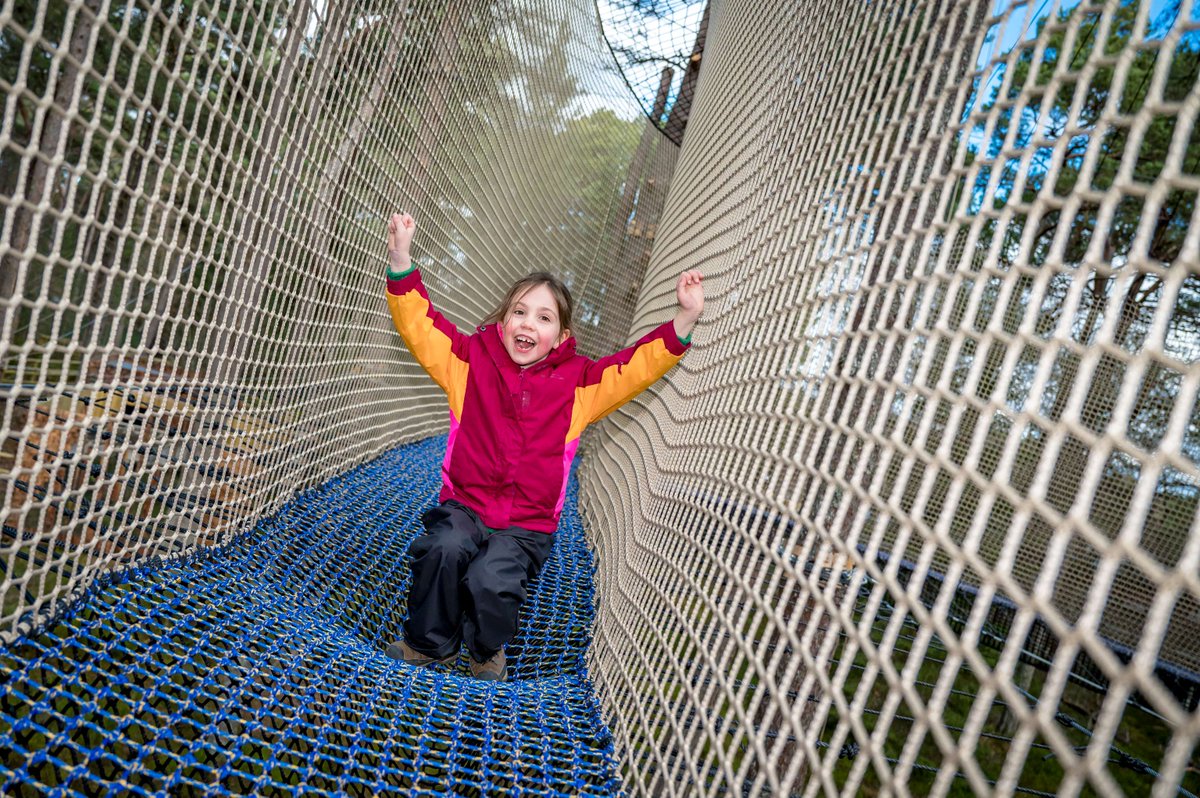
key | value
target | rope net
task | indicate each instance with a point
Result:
(254, 669)
(914, 517)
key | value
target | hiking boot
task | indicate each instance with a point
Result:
(492, 670)
(402, 651)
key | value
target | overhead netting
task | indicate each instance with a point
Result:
(658, 47)
(914, 517)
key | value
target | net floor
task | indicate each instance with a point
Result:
(258, 668)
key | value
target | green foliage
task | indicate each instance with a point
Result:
(1070, 129)
(1073, 35)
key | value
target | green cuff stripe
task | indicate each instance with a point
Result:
(684, 341)
(394, 276)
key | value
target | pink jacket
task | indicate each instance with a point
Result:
(514, 431)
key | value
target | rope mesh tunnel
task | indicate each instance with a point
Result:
(915, 516)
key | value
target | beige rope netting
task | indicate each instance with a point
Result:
(915, 516)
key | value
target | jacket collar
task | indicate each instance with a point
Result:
(493, 341)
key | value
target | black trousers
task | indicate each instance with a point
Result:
(468, 582)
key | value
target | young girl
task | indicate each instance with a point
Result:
(519, 398)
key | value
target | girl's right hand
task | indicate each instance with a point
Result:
(400, 235)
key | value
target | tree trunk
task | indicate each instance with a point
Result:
(127, 193)
(248, 268)
(155, 331)
(650, 193)
(431, 124)
(1022, 679)
(615, 315)
(27, 220)
(682, 109)
(330, 190)
(330, 197)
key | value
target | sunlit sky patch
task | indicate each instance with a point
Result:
(647, 35)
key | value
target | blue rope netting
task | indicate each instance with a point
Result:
(258, 668)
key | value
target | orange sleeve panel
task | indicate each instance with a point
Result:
(435, 343)
(610, 382)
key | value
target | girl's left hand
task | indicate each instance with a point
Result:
(689, 292)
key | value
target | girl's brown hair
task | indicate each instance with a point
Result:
(562, 298)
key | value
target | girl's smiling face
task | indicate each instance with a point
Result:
(531, 327)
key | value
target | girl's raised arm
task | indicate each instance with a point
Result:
(433, 340)
(612, 381)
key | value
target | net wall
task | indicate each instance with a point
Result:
(917, 514)
(193, 210)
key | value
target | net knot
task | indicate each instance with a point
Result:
(1132, 763)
